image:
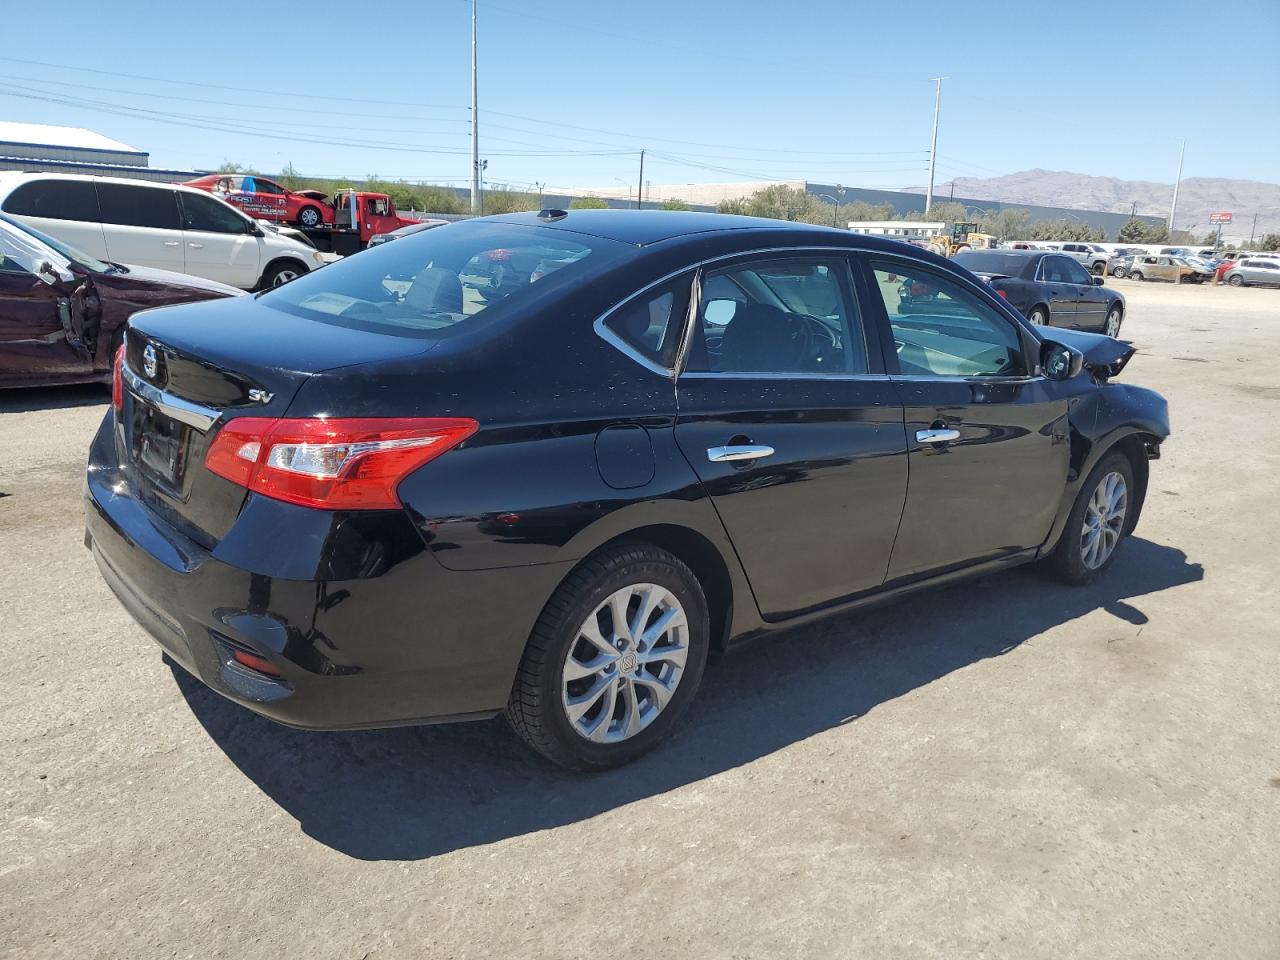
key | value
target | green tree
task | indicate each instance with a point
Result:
(588, 203)
(740, 206)
(227, 166)
(947, 211)
(674, 204)
(509, 201)
(1270, 242)
(1210, 239)
(1007, 224)
(1133, 231)
(291, 178)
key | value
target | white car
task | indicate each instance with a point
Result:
(159, 225)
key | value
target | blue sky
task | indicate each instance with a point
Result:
(571, 90)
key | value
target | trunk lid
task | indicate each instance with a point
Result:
(190, 369)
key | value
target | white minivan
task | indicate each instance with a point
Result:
(158, 225)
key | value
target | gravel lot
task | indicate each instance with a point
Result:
(1006, 768)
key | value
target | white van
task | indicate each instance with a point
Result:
(158, 225)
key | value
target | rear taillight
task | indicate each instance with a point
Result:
(117, 380)
(338, 464)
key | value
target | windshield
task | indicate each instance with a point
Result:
(1005, 264)
(78, 257)
(439, 282)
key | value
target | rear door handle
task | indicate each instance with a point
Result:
(744, 451)
(937, 436)
(171, 243)
(196, 246)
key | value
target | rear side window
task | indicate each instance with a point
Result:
(202, 212)
(129, 206)
(55, 199)
(942, 330)
(650, 324)
(779, 316)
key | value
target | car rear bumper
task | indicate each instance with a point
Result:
(414, 643)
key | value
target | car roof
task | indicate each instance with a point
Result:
(10, 179)
(644, 227)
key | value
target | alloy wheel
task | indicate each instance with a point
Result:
(284, 276)
(1104, 520)
(1113, 322)
(623, 667)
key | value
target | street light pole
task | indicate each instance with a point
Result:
(1176, 184)
(475, 121)
(933, 147)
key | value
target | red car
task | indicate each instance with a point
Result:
(267, 200)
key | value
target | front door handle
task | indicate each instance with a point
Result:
(937, 436)
(743, 451)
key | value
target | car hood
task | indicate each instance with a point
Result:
(1104, 356)
(150, 277)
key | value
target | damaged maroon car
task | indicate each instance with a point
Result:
(63, 312)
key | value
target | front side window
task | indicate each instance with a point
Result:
(266, 186)
(201, 212)
(128, 206)
(1076, 273)
(651, 323)
(941, 329)
(55, 200)
(779, 316)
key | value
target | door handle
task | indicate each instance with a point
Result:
(196, 246)
(171, 243)
(937, 436)
(744, 451)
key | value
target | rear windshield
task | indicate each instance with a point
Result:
(440, 282)
(1005, 264)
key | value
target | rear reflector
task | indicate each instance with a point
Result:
(117, 380)
(339, 464)
(254, 662)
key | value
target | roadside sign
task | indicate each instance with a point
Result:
(1220, 218)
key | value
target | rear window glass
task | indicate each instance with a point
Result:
(439, 282)
(55, 199)
(1004, 264)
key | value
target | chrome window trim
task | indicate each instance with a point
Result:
(762, 375)
(184, 411)
(608, 336)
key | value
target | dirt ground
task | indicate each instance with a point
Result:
(1005, 768)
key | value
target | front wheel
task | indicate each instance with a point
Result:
(1236, 281)
(280, 273)
(1099, 270)
(614, 659)
(1039, 316)
(1135, 275)
(1114, 317)
(1098, 523)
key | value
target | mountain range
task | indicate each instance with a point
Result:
(1197, 198)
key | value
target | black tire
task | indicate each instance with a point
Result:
(1116, 313)
(1039, 315)
(1236, 281)
(280, 272)
(536, 708)
(1067, 562)
(1119, 272)
(1136, 275)
(1099, 270)
(309, 217)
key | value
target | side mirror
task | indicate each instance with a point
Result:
(1099, 281)
(1060, 362)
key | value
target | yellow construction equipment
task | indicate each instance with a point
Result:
(956, 237)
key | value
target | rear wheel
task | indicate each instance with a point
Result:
(1135, 275)
(1039, 316)
(613, 660)
(1098, 523)
(309, 217)
(1099, 269)
(1236, 281)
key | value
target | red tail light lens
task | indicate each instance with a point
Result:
(1001, 294)
(339, 464)
(255, 662)
(117, 380)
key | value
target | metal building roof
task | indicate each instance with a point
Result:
(74, 138)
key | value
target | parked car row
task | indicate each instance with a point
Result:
(1050, 289)
(157, 225)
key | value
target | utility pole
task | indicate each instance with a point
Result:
(1176, 184)
(933, 147)
(475, 121)
(640, 183)
(539, 186)
(1253, 229)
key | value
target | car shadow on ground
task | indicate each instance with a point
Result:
(412, 793)
(33, 399)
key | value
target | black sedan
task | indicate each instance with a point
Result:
(1048, 288)
(356, 502)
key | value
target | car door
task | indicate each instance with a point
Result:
(221, 243)
(269, 200)
(37, 329)
(1059, 289)
(787, 417)
(1090, 311)
(141, 225)
(987, 435)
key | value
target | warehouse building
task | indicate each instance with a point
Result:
(40, 147)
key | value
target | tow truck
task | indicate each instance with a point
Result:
(342, 224)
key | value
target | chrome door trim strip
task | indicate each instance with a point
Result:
(184, 411)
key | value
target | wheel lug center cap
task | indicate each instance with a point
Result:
(627, 663)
